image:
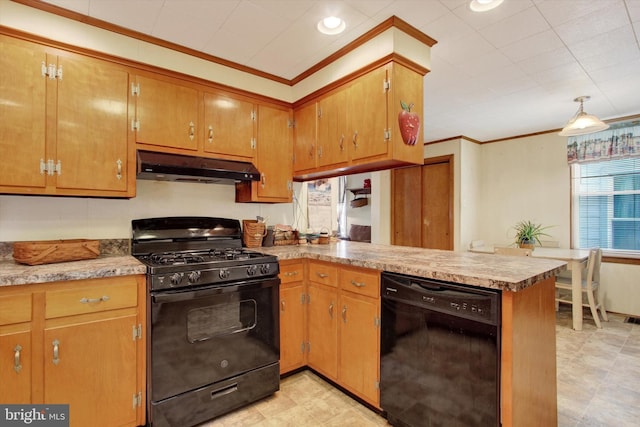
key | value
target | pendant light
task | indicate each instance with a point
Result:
(582, 123)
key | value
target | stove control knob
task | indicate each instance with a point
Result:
(224, 273)
(176, 278)
(264, 269)
(252, 269)
(194, 276)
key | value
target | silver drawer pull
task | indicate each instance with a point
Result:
(94, 300)
(358, 284)
(322, 275)
(291, 273)
(331, 310)
(56, 352)
(16, 359)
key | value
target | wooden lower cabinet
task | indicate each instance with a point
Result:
(344, 327)
(323, 330)
(293, 336)
(15, 367)
(15, 347)
(82, 343)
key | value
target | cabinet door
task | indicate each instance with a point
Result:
(359, 345)
(15, 367)
(323, 314)
(92, 125)
(167, 114)
(92, 367)
(333, 134)
(275, 152)
(22, 113)
(229, 126)
(304, 148)
(292, 345)
(368, 115)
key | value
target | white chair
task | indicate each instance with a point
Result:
(590, 284)
(512, 251)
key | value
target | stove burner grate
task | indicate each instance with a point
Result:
(176, 258)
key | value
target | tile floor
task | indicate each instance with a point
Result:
(598, 385)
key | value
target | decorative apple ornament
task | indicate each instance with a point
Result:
(409, 124)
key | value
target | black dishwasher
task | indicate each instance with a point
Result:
(439, 353)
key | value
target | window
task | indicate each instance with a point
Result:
(606, 205)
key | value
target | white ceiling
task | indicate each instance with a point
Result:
(511, 71)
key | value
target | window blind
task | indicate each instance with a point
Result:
(606, 205)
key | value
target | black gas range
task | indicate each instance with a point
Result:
(213, 320)
(194, 251)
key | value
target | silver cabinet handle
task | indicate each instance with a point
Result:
(291, 273)
(263, 180)
(282, 305)
(16, 359)
(119, 169)
(358, 284)
(344, 314)
(355, 139)
(210, 134)
(94, 300)
(331, 310)
(341, 142)
(322, 275)
(192, 130)
(56, 352)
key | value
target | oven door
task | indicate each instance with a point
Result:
(205, 335)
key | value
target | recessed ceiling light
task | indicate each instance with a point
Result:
(331, 25)
(484, 5)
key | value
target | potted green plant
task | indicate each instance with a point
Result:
(528, 234)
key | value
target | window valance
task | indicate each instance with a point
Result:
(621, 140)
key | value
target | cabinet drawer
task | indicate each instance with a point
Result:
(323, 273)
(291, 272)
(360, 281)
(91, 297)
(15, 309)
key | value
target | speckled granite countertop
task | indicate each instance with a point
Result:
(511, 273)
(12, 273)
(490, 271)
(113, 261)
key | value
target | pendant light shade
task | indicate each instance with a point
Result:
(582, 123)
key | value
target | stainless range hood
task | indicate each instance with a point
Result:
(179, 168)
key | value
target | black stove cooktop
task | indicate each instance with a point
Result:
(210, 256)
(196, 251)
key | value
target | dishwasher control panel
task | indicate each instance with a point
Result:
(470, 302)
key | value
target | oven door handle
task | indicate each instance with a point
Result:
(182, 295)
(166, 297)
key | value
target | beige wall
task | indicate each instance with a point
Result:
(501, 183)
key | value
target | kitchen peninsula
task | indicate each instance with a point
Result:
(527, 285)
(528, 364)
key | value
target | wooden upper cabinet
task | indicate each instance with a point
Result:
(305, 136)
(229, 126)
(367, 112)
(64, 127)
(358, 127)
(274, 158)
(334, 135)
(92, 125)
(166, 113)
(22, 112)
